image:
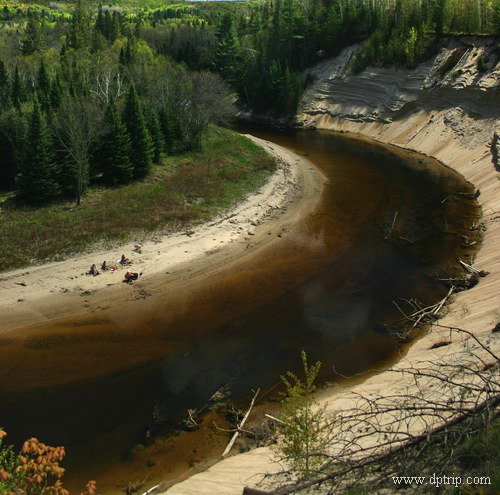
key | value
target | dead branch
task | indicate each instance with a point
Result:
(240, 426)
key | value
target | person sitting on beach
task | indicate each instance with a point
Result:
(130, 276)
(124, 260)
(93, 270)
(104, 266)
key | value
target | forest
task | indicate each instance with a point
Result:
(95, 94)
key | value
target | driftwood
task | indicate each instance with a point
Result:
(240, 426)
(422, 314)
(151, 490)
(471, 269)
(274, 419)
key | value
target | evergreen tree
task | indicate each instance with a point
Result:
(43, 88)
(171, 130)
(115, 151)
(79, 32)
(156, 136)
(55, 92)
(18, 95)
(439, 7)
(227, 59)
(100, 24)
(141, 146)
(4, 85)
(38, 180)
(33, 38)
(303, 434)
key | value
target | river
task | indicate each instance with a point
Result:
(386, 229)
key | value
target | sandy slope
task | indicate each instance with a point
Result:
(41, 293)
(458, 134)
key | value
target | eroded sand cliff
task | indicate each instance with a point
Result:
(445, 108)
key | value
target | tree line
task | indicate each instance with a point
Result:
(99, 109)
(96, 95)
(260, 48)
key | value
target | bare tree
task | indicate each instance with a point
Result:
(78, 124)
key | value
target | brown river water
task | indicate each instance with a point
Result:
(328, 288)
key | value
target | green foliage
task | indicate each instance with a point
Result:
(38, 180)
(304, 435)
(481, 453)
(141, 146)
(496, 17)
(182, 190)
(33, 38)
(157, 137)
(116, 165)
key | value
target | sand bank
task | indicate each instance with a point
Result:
(39, 294)
(449, 126)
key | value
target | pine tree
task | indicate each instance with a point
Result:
(79, 32)
(55, 92)
(4, 85)
(171, 130)
(156, 136)
(33, 39)
(141, 146)
(303, 435)
(18, 94)
(227, 60)
(38, 180)
(43, 88)
(439, 7)
(115, 151)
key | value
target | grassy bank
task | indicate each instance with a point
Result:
(182, 191)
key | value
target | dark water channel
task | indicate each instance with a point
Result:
(383, 231)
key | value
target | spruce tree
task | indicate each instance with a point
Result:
(33, 40)
(38, 180)
(115, 151)
(18, 94)
(227, 59)
(171, 130)
(79, 32)
(156, 136)
(55, 92)
(43, 86)
(4, 85)
(141, 153)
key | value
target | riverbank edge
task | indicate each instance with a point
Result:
(44, 293)
(476, 310)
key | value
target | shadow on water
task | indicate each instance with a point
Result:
(387, 227)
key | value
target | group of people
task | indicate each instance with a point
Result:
(129, 276)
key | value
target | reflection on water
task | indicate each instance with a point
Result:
(380, 233)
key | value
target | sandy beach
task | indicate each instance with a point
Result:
(42, 293)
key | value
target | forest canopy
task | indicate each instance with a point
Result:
(93, 93)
